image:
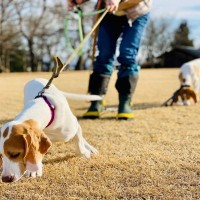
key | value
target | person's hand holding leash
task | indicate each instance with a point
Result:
(72, 3)
(112, 5)
(141, 9)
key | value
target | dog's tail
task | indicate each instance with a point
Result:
(82, 97)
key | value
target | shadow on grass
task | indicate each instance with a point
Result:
(102, 118)
(137, 106)
(144, 106)
(114, 109)
(59, 159)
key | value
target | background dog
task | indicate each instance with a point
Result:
(189, 77)
(44, 119)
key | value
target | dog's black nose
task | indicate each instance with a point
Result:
(8, 179)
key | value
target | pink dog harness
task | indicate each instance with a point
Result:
(51, 107)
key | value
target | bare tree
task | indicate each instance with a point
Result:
(157, 39)
(50, 37)
(41, 25)
(8, 31)
(30, 14)
(36, 30)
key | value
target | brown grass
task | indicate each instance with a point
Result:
(155, 156)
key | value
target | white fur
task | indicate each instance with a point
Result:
(10, 169)
(190, 72)
(63, 128)
(79, 97)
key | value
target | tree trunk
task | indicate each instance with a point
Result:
(31, 56)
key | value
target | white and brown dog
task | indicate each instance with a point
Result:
(44, 119)
(189, 77)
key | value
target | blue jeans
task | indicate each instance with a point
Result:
(110, 29)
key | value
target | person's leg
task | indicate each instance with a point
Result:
(129, 69)
(109, 31)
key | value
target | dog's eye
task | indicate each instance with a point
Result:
(14, 154)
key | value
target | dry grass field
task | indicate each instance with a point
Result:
(155, 156)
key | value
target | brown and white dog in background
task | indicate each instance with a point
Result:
(44, 119)
(189, 77)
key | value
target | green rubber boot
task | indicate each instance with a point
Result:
(98, 84)
(126, 87)
(125, 111)
(95, 110)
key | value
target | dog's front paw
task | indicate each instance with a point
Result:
(93, 150)
(33, 174)
(87, 152)
(33, 170)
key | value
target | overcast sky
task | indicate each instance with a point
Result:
(178, 10)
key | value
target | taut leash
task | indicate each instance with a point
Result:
(59, 66)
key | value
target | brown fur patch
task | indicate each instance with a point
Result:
(14, 147)
(5, 133)
(182, 80)
(188, 93)
(40, 143)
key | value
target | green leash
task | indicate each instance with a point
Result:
(80, 31)
(81, 14)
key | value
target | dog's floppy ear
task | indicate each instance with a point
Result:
(193, 95)
(38, 137)
(36, 145)
(45, 143)
(27, 143)
(187, 93)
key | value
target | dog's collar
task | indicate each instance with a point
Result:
(183, 86)
(51, 106)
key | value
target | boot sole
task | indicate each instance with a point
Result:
(125, 116)
(92, 115)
